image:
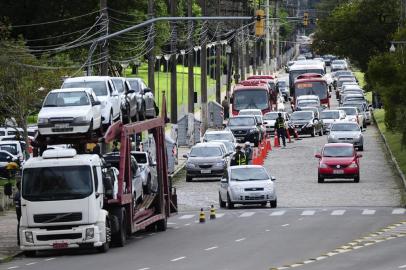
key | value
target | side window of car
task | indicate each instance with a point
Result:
(3, 157)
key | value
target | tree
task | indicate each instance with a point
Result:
(358, 30)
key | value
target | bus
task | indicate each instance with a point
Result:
(312, 85)
(251, 96)
(302, 67)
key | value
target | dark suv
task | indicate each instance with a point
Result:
(306, 122)
(245, 128)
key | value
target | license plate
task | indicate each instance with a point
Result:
(61, 125)
(338, 171)
(59, 245)
(205, 171)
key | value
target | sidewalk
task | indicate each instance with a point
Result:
(8, 235)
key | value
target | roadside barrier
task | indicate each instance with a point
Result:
(276, 140)
(202, 216)
(212, 212)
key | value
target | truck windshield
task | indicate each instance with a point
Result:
(57, 183)
(251, 99)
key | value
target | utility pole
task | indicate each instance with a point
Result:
(276, 24)
(104, 51)
(203, 71)
(241, 54)
(151, 54)
(174, 90)
(218, 61)
(190, 59)
(267, 38)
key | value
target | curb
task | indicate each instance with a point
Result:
(10, 257)
(402, 176)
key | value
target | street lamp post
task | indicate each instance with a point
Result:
(183, 52)
(167, 57)
(196, 49)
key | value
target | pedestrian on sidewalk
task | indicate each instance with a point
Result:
(280, 129)
(248, 152)
(226, 108)
(17, 203)
(239, 157)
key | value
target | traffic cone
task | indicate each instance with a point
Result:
(288, 133)
(268, 142)
(276, 140)
(202, 216)
(212, 213)
(254, 156)
(296, 135)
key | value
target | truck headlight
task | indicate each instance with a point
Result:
(89, 233)
(29, 237)
(43, 120)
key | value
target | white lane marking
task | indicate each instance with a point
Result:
(146, 268)
(139, 237)
(211, 248)
(178, 259)
(338, 212)
(171, 223)
(308, 213)
(177, 227)
(187, 224)
(285, 225)
(368, 212)
(151, 234)
(241, 239)
(219, 215)
(247, 214)
(31, 263)
(402, 266)
(398, 211)
(277, 213)
(186, 216)
(267, 230)
(13, 267)
(49, 259)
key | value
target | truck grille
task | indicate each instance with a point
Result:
(48, 237)
(58, 217)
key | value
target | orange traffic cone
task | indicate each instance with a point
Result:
(288, 133)
(254, 156)
(296, 135)
(268, 142)
(276, 140)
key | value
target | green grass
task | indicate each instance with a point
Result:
(360, 77)
(393, 139)
(4, 181)
(164, 81)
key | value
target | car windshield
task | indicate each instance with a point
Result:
(141, 158)
(360, 106)
(118, 83)
(319, 89)
(66, 99)
(11, 148)
(345, 127)
(250, 99)
(329, 115)
(339, 151)
(206, 151)
(218, 136)
(99, 87)
(134, 85)
(349, 111)
(249, 174)
(241, 121)
(340, 82)
(229, 146)
(282, 84)
(270, 116)
(302, 116)
(242, 112)
(57, 183)
(339, 62)
(307, 103)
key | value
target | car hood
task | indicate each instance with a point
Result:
(350, 134)
(76, 111)
(232, 128)
(270, 122)
(300, 122)
(337, 160)
(252, 184)
(203, 160)
(329, 121)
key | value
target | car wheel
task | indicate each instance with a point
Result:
(230, 205)
(356, 179)
(320, 179)
(105, 247)
(361, 148)
(313, 134)
(188, 178)
(30, 253)
(274, 203)
(221, 202)
(364, 125)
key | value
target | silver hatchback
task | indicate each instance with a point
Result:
(347, 133)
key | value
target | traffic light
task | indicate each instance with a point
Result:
(260, 23)
(306, 18)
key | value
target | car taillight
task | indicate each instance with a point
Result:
(353, 165)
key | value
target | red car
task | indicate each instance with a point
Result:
(338, 160)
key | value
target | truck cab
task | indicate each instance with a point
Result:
(62, 198)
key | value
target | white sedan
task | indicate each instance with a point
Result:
(247, 184)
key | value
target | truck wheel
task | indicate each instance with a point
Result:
(120, 238)
(161, 225)
(274, 203)
(105, 247)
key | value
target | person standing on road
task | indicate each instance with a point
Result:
(239, 157)
(248, 152)
(17, 203)
(226, 107)
(280, 128)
